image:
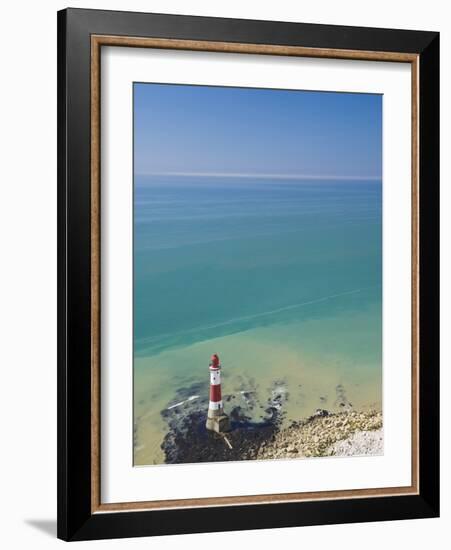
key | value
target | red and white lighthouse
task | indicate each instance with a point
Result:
(217, 421)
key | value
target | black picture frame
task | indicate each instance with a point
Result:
(75, 518)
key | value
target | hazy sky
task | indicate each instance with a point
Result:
(216, 130)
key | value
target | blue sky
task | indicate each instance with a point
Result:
(246, 131)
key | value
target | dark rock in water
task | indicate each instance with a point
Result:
(320, 413)
(195, 388)
(271, 412)
(237, 415)
(188, 440)
(341, 399)
(278, 395)
(249, 399)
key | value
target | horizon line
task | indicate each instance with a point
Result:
(263, 176)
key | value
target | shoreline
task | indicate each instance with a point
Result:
(277, 369)
(324, 434)
(263, 426)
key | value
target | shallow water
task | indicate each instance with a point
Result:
(281, 279)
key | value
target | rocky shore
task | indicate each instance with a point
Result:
(325, 433)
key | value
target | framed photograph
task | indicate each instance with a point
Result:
(248, 274)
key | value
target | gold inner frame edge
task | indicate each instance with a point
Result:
(97, 41)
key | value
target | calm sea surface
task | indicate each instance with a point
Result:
(283, 279)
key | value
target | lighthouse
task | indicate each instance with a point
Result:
(217, 421)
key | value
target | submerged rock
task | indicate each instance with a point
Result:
(320, 413)
(188, 440)
(260, 434)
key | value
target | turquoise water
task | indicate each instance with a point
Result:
(282, 278)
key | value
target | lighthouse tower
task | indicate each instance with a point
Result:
(217, 421)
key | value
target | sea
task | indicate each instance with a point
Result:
(282, 278)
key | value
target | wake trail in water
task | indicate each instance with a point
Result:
(247, 317)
